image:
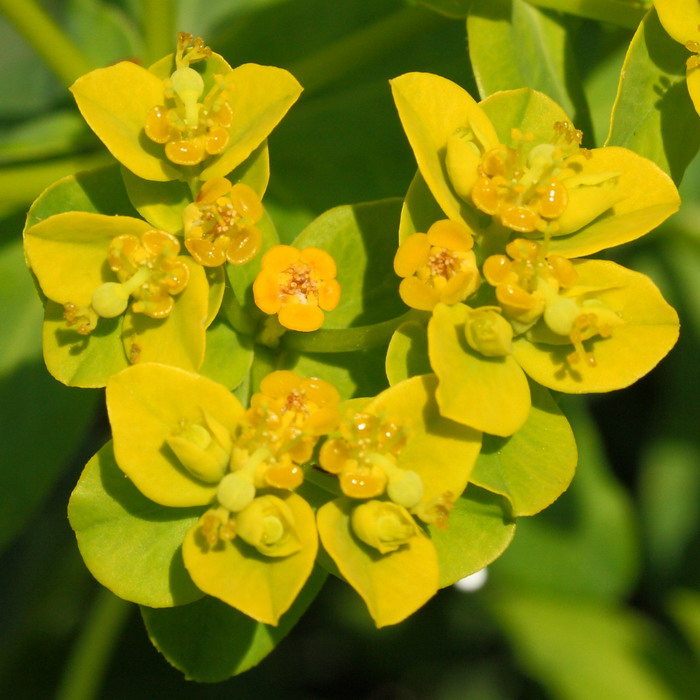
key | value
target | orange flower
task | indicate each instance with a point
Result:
(297, 285)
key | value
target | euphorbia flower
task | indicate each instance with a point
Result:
(297, 285)
(118, 291)
(400, 464)
(578, 326)
(189, 116)
(437, 266)
(681, 19)
(185, 441)
(220, 224)
(531, 177)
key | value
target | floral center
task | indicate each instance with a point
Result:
(220, 224)
(189, 128)
(299, 281)
(522, 186)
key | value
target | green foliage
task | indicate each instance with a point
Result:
(445, 410)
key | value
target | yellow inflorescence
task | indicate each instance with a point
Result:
(189, 128)
(220, 224)
(151, 269)
(437, 266)
(297, 285)
(524, 186)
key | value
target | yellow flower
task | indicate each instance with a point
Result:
(220, 224)
(176, 121)
(437, 266)
(531, 177)
(297, 285)
(397, 459)
(118, 291)
(185, 441)
(681, 19)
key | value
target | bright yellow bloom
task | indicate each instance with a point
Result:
(397, 459)
(681, 19)
(96, 268)
(297, 285)
(220, 224)
(437, 266)
(189, 116)
(531, 177)
(186, 441)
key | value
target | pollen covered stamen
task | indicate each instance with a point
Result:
(82, 319)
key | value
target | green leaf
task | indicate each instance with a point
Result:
(533, 467)
(620, 12)
(480, 528)
(78, 360)
(653, 114)
(35, 444)
(20, 309)
(99, 191)
(210, 641)
(582, 649)
(363, 240)
(407, 355)
(585, 543)
(543, 61)
(130, 544)
(456, 9)
(526, 109)
(228, 356)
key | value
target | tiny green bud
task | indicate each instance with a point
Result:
(267, 524)
(382, 525)
(189, 86)
(560, 314)
(488, 332)
(110, 300)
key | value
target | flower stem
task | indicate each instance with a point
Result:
(158, 28)
(620, 12)
(327, 65)
(93, 648)
(59, 53)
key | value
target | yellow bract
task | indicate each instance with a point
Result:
(681, 19)
(540, 184)
(402, 461)
(297, 285)
(154, 122)
(98, 268)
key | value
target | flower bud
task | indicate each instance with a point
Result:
(268, 525)
(488, 332)
(384, 526)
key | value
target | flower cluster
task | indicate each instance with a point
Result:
(182, 293)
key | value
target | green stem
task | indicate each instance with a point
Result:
(620, 12)
(59, 53)
(20, 184)
(318, 69)
(158, 21)
(93, 648)
(344, 339)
